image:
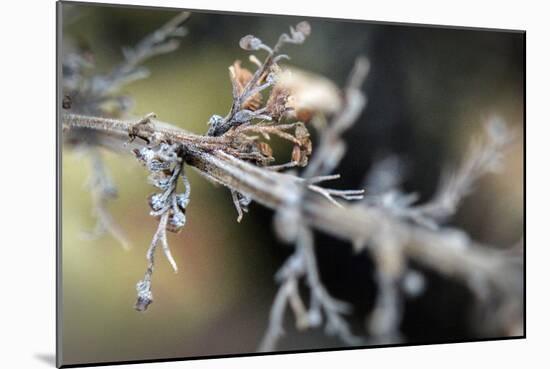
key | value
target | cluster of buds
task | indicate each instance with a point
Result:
(165, 164)
(248, 86)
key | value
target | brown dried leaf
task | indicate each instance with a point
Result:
(265, 149)
(299, 156)
(296, 154)
(239, 78)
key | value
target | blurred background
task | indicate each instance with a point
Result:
(429, 92)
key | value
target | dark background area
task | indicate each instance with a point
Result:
(429, 91)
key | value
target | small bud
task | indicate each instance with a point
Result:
(182, 200)
(215, 120)
(156, 202)
(304, 28)
(177, 219)
(249, 42)
(144, 295)
(244, 201)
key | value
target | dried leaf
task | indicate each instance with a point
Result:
(299, 156)
(265, 149)
(239, 78)
(296, 154)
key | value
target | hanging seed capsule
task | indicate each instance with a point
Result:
(156, 202)
(182, 200)
(177, 219)
(144, 295)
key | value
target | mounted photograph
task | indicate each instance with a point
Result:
(238, 184)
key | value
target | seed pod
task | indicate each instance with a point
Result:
(156, 202)
(182, 200)
(176, 221)
(144, 295)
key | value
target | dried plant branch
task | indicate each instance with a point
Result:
(302, 264)
(162, 41)
(388, 225)
(448, 251)
(484, 156)
(263, 78)
(165, 163)
(332, 148)
(103, 189)
(291, 227)
(92, 93)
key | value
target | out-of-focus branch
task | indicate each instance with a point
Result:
(485, 156)
(332, 147)
(103, 189)
(90, 93)
(162, 41)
